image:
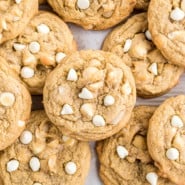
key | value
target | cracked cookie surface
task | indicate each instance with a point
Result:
(153, 74)
(167, 26)
(14, 16)
(96, 15)
(43, 156)
(168, 126)
(15, 106)
(36, 52)
(124, 157)
(90, 95)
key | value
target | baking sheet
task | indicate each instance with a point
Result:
(93, 40)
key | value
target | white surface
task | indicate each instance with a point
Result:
(93, 40)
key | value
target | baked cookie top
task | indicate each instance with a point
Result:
(124, 158)
(96, 15)
(153, 74)
(90, 95)
(166, 140)
(167, 26)
(15, 106)
(14, 16)
(142, 4)
(44, 43)
(43, 156)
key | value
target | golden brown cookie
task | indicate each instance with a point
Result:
(167, 26)
(14, 16)
(43, 156)
(124, 158)
(96, 15)
(153, 74)
(90, 95)
(166, 139)
(142, 4)
(37, 51)
(15, 106)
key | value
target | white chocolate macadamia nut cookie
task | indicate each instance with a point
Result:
(14, 17)
(43, 44)
(95, 15)
(90, 95)
(166, 21)
(15, 106)
(124, 157)
(43, 156)
(153, 74)
(166, 139)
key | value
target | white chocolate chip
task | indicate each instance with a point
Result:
(65, 138)
(66, 110)
(4, 25)
(109, 100)
(118, 118)
(177, 14)
(153, 68)
(176, 121)
(16, 18)
(98, 121)
(19, 47)
(83, 4)
(61, 90)
(12, 165)
(87, 109)
(21, 123)
(172, 154)
(34, 164)
(26, 137)
(72, 75)
(148, 35)
(127, 45)
(122, 151)
(96, 86)
(70, 168)
(59, 56)
(126, 89)
(7, 99)
(34, 47)
(152, 178)
(29, 59)
(37, 183)
(42, 28)
(27, 72)
(18, 1)
(85, 94)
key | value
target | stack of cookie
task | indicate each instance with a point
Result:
(90, 95)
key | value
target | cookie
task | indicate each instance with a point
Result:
(90, 95)
(15, 105)
(153, 74)
(124, 158)
(37, 51)
(142, 4)
(167, 27)
(166, 138)
(43, 156)
(14, 16)
(95, 15)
